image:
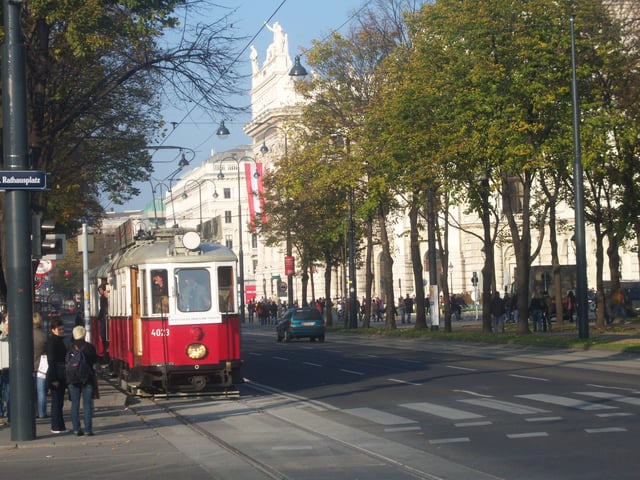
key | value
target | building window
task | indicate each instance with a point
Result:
(514, 194)
(227, 216)
(226, 192)
(255, 265)
(228, 241)
(254, 240)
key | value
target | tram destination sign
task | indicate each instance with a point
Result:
(23, 180)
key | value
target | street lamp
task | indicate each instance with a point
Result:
(200, 183)
(238, 161)
(578, 187)
(298, 72)
(181, 165)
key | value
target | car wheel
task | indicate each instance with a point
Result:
(312, 339)
(321, 338)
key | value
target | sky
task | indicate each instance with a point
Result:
(302, 20)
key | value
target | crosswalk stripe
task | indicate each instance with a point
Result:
(565, 401)
(612, 396)
(378, 416)
(441, 411)
(503, 406)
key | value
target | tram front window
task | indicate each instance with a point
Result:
(159, 291)
(194, 290)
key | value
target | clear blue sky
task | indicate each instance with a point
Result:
(302, 21)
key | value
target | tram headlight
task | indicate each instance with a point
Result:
(196, 351)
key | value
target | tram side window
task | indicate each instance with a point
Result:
(194, 289)
(159, 291)
(226, 296)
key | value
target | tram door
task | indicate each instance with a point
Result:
(135, 315)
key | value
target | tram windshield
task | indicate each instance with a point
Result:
(194, 289)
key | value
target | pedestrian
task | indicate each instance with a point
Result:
(103, 316)
(617, 306)
(56, 382)
(536, 310)
(40, 365)
(401, 309)
(497, 312)
(408, 307)
(4, 372)
(571, 304)
(83, 388)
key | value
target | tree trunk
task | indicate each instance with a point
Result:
(387, 270)
(416, 262)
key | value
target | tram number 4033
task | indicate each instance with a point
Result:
(160, 332)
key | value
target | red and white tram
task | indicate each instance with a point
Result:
(173, 324)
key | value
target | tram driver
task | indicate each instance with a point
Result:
(160, 292)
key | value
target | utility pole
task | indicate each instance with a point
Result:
(17, 223)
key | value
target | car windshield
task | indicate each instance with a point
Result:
(307, 315)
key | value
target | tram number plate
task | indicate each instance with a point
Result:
(160, 332)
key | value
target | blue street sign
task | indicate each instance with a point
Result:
(23, 180)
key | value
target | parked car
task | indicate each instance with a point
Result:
(304, 322)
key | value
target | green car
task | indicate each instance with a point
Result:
(303, 322)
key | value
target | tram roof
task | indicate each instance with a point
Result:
(165, 252)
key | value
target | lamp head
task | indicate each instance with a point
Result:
(298, 72)
(223, 131)
(264, 149)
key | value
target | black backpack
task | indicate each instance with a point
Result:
(76, 367)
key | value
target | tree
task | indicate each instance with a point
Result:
(95, 78)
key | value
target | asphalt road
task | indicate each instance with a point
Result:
(486, 411)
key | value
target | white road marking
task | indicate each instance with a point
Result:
(473, 424)
(441, 411)
(351, 371)
(403, 381)
(612, 396)
(402, 429)
(378, 416)
(449, 440)
(543, 419)
(605, 430)
(565, 401)
(462, 368)
(281, 358)
(311, 364)
(469, 392)
(526, 377)
(527, 435)
(503, 406)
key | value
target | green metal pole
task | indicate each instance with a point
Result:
(18, 229)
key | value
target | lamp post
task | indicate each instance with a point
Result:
(181, 165)
(450, 278)
(578, 187)
(238, 162)
(200, 183)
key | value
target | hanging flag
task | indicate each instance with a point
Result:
(255, 193)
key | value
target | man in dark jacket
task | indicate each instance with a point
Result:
(56, 354)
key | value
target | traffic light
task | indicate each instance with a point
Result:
(474, 279)
(44, 243)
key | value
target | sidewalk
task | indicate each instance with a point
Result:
(123, 446)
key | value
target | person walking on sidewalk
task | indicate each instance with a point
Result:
(82, 386)
(56, 354)
(497, 312)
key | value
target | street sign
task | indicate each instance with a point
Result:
(23, 180)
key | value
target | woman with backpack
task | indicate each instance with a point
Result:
(56, 382)
(81, 377)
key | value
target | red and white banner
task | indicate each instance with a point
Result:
(255, 193)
